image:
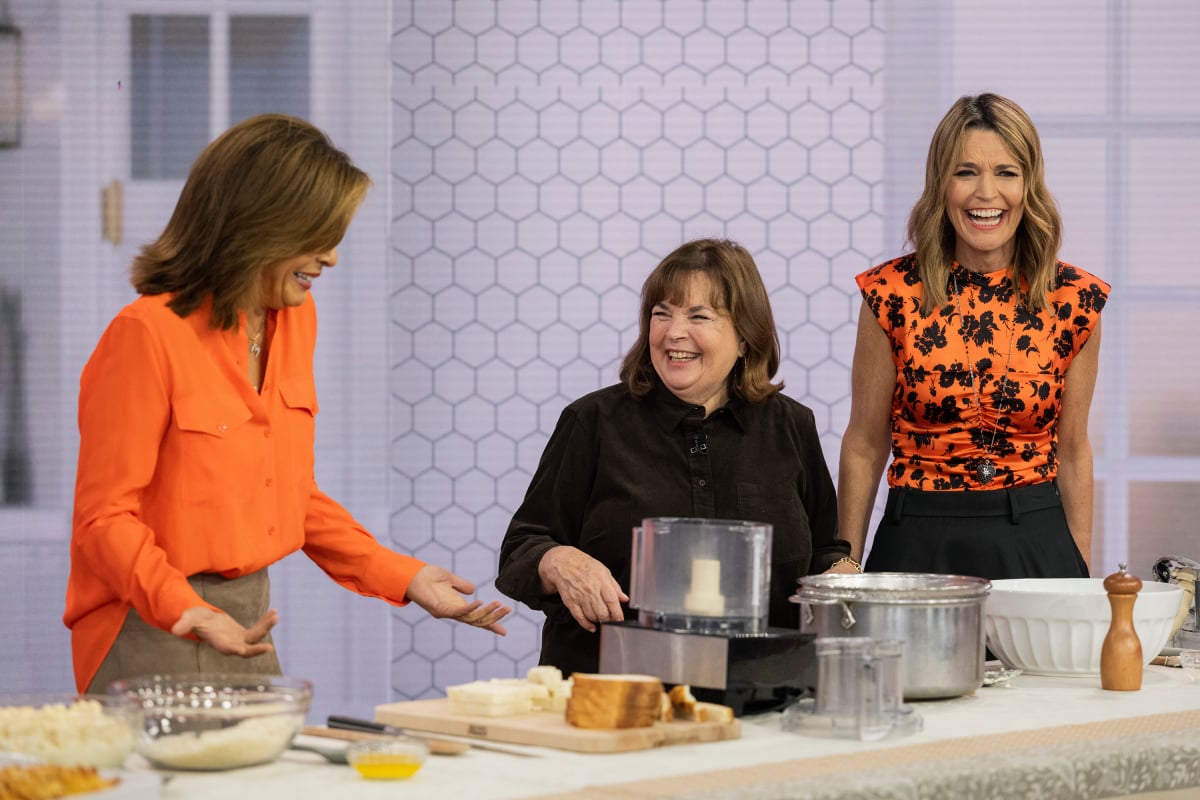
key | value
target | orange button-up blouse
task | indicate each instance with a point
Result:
(184, 468)
(1020, 360)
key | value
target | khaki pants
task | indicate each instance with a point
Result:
(141, 649)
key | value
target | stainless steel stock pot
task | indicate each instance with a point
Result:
(938, 617)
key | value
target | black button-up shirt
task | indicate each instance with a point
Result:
(614, 460)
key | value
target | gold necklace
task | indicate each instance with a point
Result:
(984, 467)
(255, 346)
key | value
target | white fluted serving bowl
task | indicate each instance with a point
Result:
(1056, 626)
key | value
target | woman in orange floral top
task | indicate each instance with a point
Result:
(974, 369)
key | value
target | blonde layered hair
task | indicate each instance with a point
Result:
(268, 189)
(1039, 234)
(737, 290)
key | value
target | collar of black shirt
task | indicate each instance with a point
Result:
(671, 412)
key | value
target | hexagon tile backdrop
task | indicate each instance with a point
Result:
(546, 156)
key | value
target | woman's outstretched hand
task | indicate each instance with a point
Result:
(225, 634)
(440, 592)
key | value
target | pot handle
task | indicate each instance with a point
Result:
(848, 620)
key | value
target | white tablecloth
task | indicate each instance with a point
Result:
(1124, 742)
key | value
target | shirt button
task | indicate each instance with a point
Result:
(267, 434)
(222, 428)
(268, 481)
(702, 482)
(271, 530)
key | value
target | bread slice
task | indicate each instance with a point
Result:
(712, 712)
(608, 702)
(682, 700)
(686, 706)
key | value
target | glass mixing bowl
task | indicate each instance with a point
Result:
(215, 721)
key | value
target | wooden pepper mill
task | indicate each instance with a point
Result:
(1121, 655)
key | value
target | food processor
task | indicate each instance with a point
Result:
(701, 588)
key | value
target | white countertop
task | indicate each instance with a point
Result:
(1029, 703)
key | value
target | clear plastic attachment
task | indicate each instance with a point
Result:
(860, 686)
(703, 575)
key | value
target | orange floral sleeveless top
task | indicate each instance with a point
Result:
(939, 432)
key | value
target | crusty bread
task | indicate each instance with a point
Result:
(712, 712)
(682, 700)
(614, 701)
(686, 706)
(667, 714)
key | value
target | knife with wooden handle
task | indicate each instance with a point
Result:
(353, 725)
(437, 747)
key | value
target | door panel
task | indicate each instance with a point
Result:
(269, 65)
(185, 72)
(169, 91)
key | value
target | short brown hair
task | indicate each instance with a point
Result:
(1039, 235)
(268, 189)
(738, 291)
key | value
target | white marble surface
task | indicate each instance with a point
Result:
(1029, 703)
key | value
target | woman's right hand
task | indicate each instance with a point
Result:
(225, 634)
(587, 588)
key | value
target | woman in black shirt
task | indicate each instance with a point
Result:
(694, 429)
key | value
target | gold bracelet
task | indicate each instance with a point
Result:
(847, 560)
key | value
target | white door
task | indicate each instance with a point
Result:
(177, 74)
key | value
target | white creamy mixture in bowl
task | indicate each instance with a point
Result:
(216, 722)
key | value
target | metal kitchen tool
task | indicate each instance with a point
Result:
(437, 746)
(334, 755)
(701, 588)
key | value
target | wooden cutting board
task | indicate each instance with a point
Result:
(550, 729)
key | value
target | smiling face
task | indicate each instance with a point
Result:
(694, 346)
(287, 282)
(985, 202)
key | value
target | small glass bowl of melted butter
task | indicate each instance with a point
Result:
(393, 758)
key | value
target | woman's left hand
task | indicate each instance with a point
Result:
(440, 592)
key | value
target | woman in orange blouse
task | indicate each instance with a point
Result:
(196, 419)
(974, 369)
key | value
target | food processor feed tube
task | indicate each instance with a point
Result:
(705, 598)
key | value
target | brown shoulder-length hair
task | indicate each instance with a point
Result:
(737, 290)
(1039, 235)
(268, 189)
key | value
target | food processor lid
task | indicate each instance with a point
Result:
(891, 587)
(706, 522)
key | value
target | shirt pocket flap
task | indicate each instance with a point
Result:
(215, 415)
(299, 391)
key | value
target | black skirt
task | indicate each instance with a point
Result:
(993, 534)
